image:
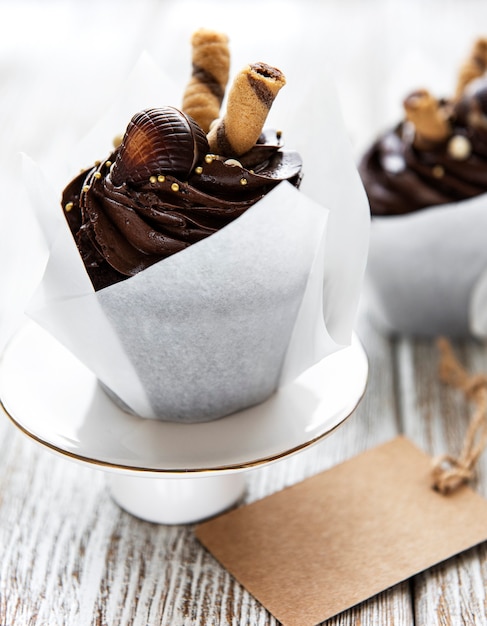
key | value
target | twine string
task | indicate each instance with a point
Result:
(451, 472)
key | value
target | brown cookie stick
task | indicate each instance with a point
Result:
(429, 118)
(249, 101)
(211, 63)
(474, 67)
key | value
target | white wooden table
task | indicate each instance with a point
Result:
(68, 554)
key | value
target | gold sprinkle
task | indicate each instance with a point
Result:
(209, 158)
(108, 163)
(86, 188)
(68, 207)
(97, 175)
(438, 171)
(175, 187)
(153, 179)
(199, 170)
(243, 181)
(459, 147)
(161, 178)
(97, 163)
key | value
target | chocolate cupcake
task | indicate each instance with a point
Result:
(426, 181)
(189, 272)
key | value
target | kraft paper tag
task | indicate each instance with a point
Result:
(323, 545)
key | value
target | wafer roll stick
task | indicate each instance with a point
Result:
(249, 101)
(474, 67)
(211, 64)
(430, 120)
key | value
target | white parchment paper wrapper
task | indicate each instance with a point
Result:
(478, 306)
(219, 326)
(424, 269)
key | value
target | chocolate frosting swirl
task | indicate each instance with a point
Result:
(122, 229)
(400, 178)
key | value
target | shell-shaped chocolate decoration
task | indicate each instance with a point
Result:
(158, 141)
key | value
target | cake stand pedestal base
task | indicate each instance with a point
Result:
(178, 500)
(165, 472)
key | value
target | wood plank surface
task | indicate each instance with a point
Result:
(68, 554)
(436, 418)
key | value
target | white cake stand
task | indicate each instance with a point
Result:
(160, 471)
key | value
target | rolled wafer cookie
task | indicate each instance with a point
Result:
(430, 120)
(474, 67)
(204, 93)
(249, 101)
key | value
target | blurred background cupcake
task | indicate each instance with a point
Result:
(426, 180)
